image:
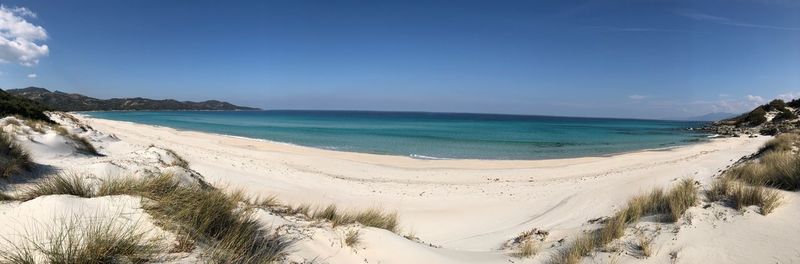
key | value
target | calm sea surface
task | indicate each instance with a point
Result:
(432, 135)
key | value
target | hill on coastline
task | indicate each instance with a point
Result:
(773, 118)
(62, 101)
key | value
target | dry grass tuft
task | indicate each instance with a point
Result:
(680, 198)
(374, 217)
(70, 184)
(302, 209)
(527, 249)
(742, 195)
(330, 213)
(719, 189)
(352, 238)
(82, 144)
(95, 242)
(672, 204)
(208, 215)
(13, 158)
(644, 245)
(782, 142)
(177, 159)
(581, 247)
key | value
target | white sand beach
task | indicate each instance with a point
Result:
(464, 206)
(460, 211)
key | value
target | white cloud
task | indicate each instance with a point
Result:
(32, 76)
(637, 97)
(789, 96)
(18, 37)
(755, 98)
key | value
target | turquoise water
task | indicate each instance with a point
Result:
(432, 135)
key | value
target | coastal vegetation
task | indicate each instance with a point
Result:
(208, 215)
(754, 182)
(372, 217)
(11, 105)
(668, 205)
(69, 184)
(80, 241)
(13, 158)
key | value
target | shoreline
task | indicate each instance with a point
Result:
(471, 205)
(412, 155)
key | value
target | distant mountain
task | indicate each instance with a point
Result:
(711, 117)
(76, 102)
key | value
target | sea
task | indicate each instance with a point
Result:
(432, 135)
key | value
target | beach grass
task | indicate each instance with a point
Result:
(742, 195)
(13, 158)
(64, 183)
(371, 217)
(352, 238)
(82, 144)
(527, 249)
(644, 245)
(177, 159)
(209, 215)
(751, 183)
(97, 241)
(782, 142)
(670, 205)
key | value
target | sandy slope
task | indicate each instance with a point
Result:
(468, 207)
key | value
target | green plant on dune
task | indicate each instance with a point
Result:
(81, 242)
(208, 215)
(671, 205)
(13, 158)
(70, 184)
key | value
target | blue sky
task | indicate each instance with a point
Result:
(642, 59)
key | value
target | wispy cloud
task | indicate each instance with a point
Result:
(637, 97)
(633, 29)
(789, 96)
(32, 76)
(698, 16)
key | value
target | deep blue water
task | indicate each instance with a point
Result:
(432, 135)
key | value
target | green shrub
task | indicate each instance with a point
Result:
(13, 105)
(785, 114)
(794, 103)
(756, 117)
(777, 105)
